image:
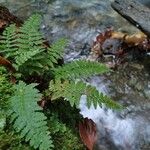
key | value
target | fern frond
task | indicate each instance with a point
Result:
(80, 69)
(30, 43)
(24, 46)
(72, 92)
(56, 51)
(8, 42)
(27, 116)
(25, 57)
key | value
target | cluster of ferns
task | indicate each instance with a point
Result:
(24, 48)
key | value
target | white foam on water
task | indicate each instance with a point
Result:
(121, 131)
(125, 133)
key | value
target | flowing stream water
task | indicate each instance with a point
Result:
(80, 21)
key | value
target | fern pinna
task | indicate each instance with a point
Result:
(28, 117)
(80, 69)
(72, 92)
(25, 47)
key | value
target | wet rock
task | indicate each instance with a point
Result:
(145, 2)
(111, 46)
(147, 93)
(135, 13)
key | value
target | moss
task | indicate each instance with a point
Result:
(67, 140)
(11, 141)
(64, 136)
(5, 88)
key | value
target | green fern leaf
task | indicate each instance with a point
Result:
(25, 48)
(72, 92)
(80, 69)
(27, 116)
(95, 98)
(69, 90)
(8, 42)
(56, 51)
(30, 43)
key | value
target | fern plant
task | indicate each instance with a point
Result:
(24, 48)
(27, 116)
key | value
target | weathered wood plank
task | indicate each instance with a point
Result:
(134, 12)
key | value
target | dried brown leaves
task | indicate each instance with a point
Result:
(88, 133)
(116, 43)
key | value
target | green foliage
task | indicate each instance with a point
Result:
(8, 45)
(55, 124)
(27, 116)
(69, 90)
(64, 137)
(30, 47)
(79, 69)
(11, 141)
(72, 92)
(63, 111)
(2, 121)
(98, 98)
(56, 51)
(67, 140)
(25, 48)
(5, 89)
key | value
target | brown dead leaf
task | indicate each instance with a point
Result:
(88, 133)
(135, 39)
(104, 35)
(118, 35)
(100, 39)
(6, 63)
(2, 23)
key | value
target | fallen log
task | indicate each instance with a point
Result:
(135, 12)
